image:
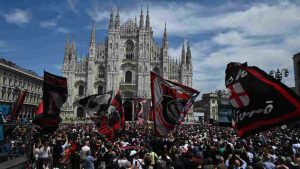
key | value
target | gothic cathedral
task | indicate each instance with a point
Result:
(122, 61)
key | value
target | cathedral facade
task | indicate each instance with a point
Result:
(122, 61)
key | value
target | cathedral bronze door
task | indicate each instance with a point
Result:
(128, 108)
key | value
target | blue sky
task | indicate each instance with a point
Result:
(263, 33)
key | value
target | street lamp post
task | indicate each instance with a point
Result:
(279, 74)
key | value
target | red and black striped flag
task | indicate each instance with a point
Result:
(259, 100)
(47, 124)
(18, 106)
(55, 94)
(113, 120)
(171, 101)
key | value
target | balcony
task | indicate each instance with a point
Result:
(131, 62)
(128, 89)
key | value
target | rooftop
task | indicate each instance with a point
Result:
(12, 64)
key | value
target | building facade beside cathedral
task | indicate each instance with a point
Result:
(122, 61)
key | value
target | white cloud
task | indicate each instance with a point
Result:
(187, 19)
(62, 30)
(98, 15)
(232, 38)
(72, 5)
(209, 71)
(262, 19)
(17, 16)
(48, 24)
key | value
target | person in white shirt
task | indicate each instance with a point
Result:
(123, 162)
(45, 155)
(137, 162)
(83, 153)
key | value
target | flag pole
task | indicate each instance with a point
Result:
(153, 112)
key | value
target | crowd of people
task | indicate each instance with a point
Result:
(188, 147)
(16, 143)
(75, 146)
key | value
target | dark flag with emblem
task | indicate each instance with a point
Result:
(95, 105)
(55, 94)
(17, 107)
(113, 120)
(259, 100)
(171, 101)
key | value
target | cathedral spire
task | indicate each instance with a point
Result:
(141, 18)
(188, 54)
(67, 48)
(147, 19)
(67, 44)
(74, 51)
(73, 42)
(183, 58)
(111, 21)
(92, 42)
(67, 40)
(117, 19)
(165, 39)
(93, 35)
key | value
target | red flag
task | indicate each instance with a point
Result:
(18, 106)
(113, 120)
(171, 102)
(43, 121)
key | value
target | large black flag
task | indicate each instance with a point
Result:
(55, 94)
(259, 100)
(96, 104)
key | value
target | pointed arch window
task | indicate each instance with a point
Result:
(128, 77)
(100, 90)
(80, 112)
(81, 90)
(129, 50)
(101, 71)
